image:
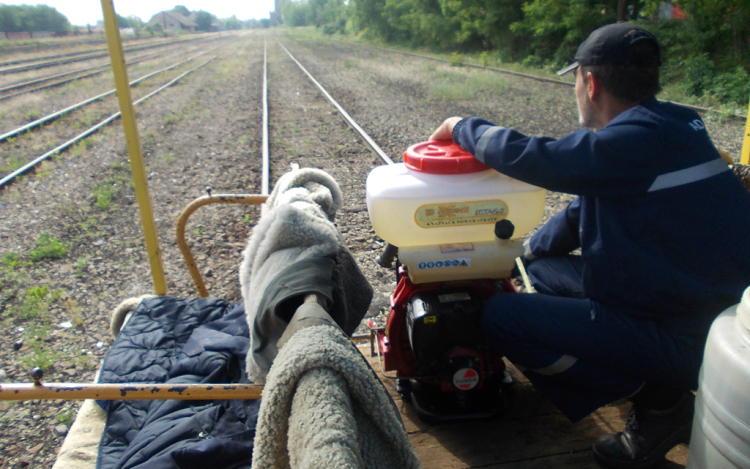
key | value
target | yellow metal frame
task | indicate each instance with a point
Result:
(137, 169)
(130, 391)
(246, 199)
(745, 155)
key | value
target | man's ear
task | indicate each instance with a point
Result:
(594, 86)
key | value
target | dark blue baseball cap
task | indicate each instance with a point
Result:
(613, 45)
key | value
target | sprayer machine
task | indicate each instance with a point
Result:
(452, 225)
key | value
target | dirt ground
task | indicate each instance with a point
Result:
(71, 246)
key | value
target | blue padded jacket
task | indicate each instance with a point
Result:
(662, 223)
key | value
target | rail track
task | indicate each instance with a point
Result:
(25, 82)
(206, 132)
(9, 171)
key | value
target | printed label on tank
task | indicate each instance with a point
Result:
(444, 263)
(465, 379)
(457, 247)
(480, 212)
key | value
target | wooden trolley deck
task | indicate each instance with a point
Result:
(533, 434)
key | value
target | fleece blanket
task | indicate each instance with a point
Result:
(324, 407)
(295, 249)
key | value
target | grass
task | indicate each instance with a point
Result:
(32, 114)
(13, 162)
(82, 146)
(81, 266)
(490, 82)
(66, 418)
(171, 119)
(104, 192)
(48, 247)
(42, 356)
(35, 304)
(75, 312)
(446, 92)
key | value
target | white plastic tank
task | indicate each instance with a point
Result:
(721, 426)
(441, 194)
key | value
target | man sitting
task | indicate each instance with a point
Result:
(656, 214)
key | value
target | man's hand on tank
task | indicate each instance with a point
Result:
(445, 131)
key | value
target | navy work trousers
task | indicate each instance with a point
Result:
(581, 353)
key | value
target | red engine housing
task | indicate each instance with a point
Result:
(394, 343)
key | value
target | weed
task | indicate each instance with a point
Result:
(75, 312)
(487, 82)
(149, 137)
(171, 119)
(308, 144)
(246, 218)
(170, 157)
(45, 169)
(104, 192)
(37, 293)
(41, 356)
(118, 165)
(78, 148)
(34, 304)
(13, 162)
(81, 266)
(199, 231)
(66, 418)
(446, 92)
(456, 59)
(32, 114)
(11, 260)
(351, 63)
(48, 247)
(84, 362)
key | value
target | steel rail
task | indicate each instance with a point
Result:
(9, 177)
(73, 54)
(25, 84)
(62, 82)
(525, 75)
(96, 55)
(85, 102)
(370, 142)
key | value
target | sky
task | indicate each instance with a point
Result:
(82, 12)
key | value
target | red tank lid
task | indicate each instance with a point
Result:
(441, 157)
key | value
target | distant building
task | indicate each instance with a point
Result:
(171, 21)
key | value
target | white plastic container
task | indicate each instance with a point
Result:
(442, 194)
(463, 261)
(721, 426)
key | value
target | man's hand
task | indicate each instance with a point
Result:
(445, 131)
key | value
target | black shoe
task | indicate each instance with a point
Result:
(648, 436)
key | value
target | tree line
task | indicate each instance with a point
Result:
(25, 18)
(705, 43)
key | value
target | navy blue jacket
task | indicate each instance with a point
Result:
(662, 223)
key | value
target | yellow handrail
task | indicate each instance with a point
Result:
(745, 155)
(182, 221)
(134, 147)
